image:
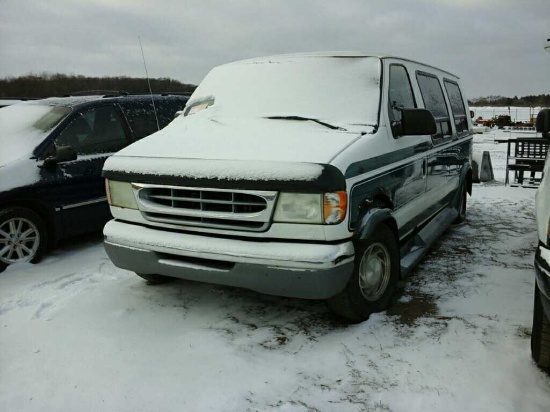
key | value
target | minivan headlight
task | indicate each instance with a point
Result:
(314, 208)
(120, 194)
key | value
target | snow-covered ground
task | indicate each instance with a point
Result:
(78, 334)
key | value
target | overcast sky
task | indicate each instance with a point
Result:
(495, 46)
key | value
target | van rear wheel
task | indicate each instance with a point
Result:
(374, 278)
(153, 279)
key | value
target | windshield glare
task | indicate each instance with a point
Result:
(23, 127)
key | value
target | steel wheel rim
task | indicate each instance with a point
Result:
(19, 240)
(374, 271)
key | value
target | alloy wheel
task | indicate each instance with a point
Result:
(19, 240)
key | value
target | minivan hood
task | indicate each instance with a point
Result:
(207, 136)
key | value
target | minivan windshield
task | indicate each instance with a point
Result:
(23, 127)
(337, 90)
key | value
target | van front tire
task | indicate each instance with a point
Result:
(374, 278)
(153, 279)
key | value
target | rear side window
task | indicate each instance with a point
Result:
(141, 118)
(434, 101)
(400, 96)
(166, 110)
(141, 115)
(457, 106)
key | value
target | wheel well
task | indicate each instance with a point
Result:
(393, 227)
(42, 211)
(382, 200)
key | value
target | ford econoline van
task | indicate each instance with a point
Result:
(319, 176)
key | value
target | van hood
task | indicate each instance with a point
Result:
(207, 136)
(203, 148)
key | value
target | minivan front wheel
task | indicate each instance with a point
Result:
(374, 278)
(22, 236)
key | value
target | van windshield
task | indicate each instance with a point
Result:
(23, 127)
(340, 91)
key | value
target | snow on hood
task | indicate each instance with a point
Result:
(17, 174)
(263, 149)
(23, 126)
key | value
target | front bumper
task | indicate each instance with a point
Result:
(302, 270)
(542, 269)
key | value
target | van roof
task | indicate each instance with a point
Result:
(338, 54)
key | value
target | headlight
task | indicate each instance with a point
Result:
(120, 194)
(299, 208)
(327, 208)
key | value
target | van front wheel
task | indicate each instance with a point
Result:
(153, 279)
(374, 278)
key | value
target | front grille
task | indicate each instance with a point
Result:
(193, 199)
(206, 207)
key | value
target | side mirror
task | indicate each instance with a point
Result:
(472, 114)
(543, 122)
(418, 122)
(62, 154)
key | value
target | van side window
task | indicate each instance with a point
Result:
(434, 101)
(457, 106)
(400, 96)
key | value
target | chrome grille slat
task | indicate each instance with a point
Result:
(190, 199)
(206, 207)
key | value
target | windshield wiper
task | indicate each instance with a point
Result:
(300, 118)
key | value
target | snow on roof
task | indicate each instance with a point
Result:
(336, 54)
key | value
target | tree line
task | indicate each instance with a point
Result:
(49, 85)
(542, 100)
(58, 84)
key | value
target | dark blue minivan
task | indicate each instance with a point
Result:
(51, 157)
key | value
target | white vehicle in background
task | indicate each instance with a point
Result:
(540, 336)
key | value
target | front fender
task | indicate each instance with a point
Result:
(371, 219)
